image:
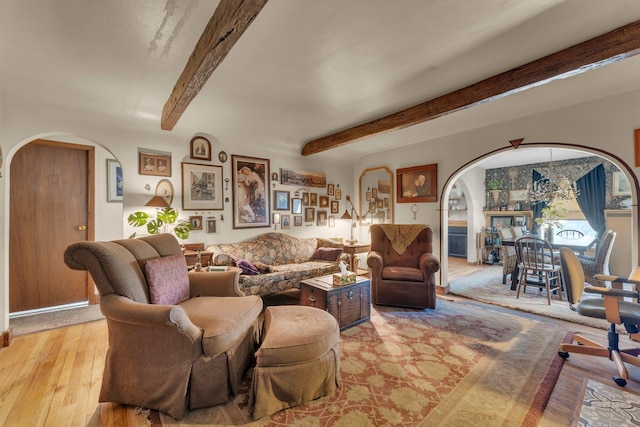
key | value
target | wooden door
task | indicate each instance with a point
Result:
(51, 191)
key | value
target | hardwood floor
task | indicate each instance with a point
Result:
(53, 378)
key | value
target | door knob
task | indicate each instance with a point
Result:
(82, 227)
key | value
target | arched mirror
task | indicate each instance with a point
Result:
(376, 196)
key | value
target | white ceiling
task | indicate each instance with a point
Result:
(303, 69)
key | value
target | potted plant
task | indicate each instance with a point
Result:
(549, 219)
(494, 187)
(165, 221)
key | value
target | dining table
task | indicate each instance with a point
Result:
(579, 245)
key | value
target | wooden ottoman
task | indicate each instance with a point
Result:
(298, 360)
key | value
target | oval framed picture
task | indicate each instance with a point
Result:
(164, 189)
(222, 156)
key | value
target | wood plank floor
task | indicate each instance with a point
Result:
(53, 378)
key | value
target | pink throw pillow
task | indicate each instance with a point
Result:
(168, 279)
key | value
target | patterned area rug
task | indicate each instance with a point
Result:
(486, 286)
(605, 406)
(455, 365)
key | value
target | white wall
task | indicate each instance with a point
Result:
(605, 124)
(19, 126)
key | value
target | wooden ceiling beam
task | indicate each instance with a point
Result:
(613, 46)
(229, 21)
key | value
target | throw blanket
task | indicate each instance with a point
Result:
(401, 235)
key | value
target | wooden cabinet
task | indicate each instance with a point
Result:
(349, 304)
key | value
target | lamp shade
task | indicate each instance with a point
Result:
(346, 215)
(158, 202)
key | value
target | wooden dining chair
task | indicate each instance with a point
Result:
(570, 234)
(538, 266)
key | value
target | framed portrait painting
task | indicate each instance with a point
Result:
(251, 198)
(202, 187)
(154, 164)
(281, 200)
(200, 148)
(417, 184)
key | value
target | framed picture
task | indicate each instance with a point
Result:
(164, 189)
(309, 214)
(313, 199)
(322, 218)
(196, 222)
(621, 186)
(286, 222)
(202, 187)
(331, 189)
(303, 179)
(417, 184)
(114, 181)
(338, 194)
(517, 195)
(200, 148)
(335, 206)
(251, 202)
(305, 199)
(374, 193)
(280, 200)
(324, 201)
(296, 206)
(154, 164)
(211, 225)
(297, 221)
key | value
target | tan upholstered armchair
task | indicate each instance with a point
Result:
(402, 265)
(164, 356)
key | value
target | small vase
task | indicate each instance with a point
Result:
(548, 234)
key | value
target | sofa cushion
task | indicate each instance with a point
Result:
(223, 320)
(327, 254)
(168, 279)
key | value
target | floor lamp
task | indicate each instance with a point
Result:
(354, 219)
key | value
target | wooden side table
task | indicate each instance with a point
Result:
(351, 250)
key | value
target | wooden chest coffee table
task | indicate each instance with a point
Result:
(349, 304)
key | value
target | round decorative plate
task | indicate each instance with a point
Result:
(165, 189)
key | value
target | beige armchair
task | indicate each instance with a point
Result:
(402, 265)
(168, 357)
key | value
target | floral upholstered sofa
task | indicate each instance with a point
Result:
(275, 262)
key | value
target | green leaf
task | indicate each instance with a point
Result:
(138, 219)
(153, 226)
(182, 229)
(168, 215)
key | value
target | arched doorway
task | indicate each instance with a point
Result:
(475, 204)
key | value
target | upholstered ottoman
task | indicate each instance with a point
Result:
(298, 360)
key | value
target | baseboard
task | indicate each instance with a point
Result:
(7, 337)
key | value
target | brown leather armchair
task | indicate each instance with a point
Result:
(168, 357)
(402, 265)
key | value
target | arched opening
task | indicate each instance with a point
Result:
(470, 179)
